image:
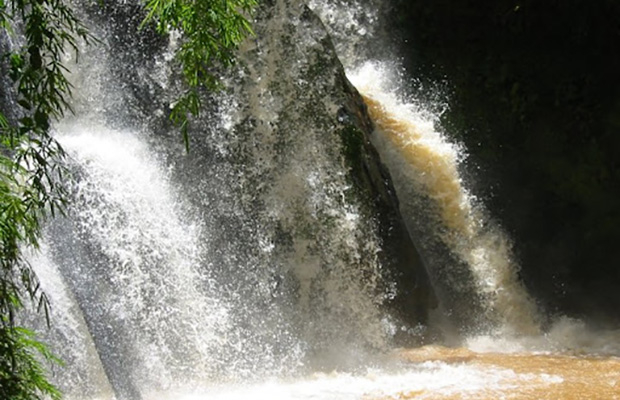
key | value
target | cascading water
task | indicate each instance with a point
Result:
(131, 256)
(253, 267)
(247, 258)
(468, 258)
(468, 255)
(425, 169)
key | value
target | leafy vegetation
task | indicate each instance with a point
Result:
(211, 31)
(30, 176)
(21, 374)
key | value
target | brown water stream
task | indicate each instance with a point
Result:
(520, 375)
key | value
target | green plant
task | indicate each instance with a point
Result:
(211, 31)
(30, 178)
(22, 377)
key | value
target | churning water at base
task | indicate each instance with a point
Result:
(435, 373)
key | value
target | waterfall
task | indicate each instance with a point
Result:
(256, 256)
(320, 222)
(250, 257)
(162, 314)
(467, 256)
(438, 207)
(131, 254)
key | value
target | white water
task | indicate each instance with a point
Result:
(138, 258)
(196, 299)
(132, 256)
(422, 160)
(430, 379)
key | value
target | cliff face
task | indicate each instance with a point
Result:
(293, 81)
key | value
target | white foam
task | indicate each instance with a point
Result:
(125, 203)
(565, 335)
(426, 380)
(421, 159)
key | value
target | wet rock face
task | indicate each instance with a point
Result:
(414, 296)
(296, 82)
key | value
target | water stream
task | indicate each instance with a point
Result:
(425, 169)
(250, 268)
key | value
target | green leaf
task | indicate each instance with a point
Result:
(211, 31)
(4, 124)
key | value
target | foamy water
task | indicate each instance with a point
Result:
(422, 159)
(427, 377)
(436, 372)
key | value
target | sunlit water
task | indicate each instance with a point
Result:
(435, 372)
(192, 337)
(422, 160)
(567, 362)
